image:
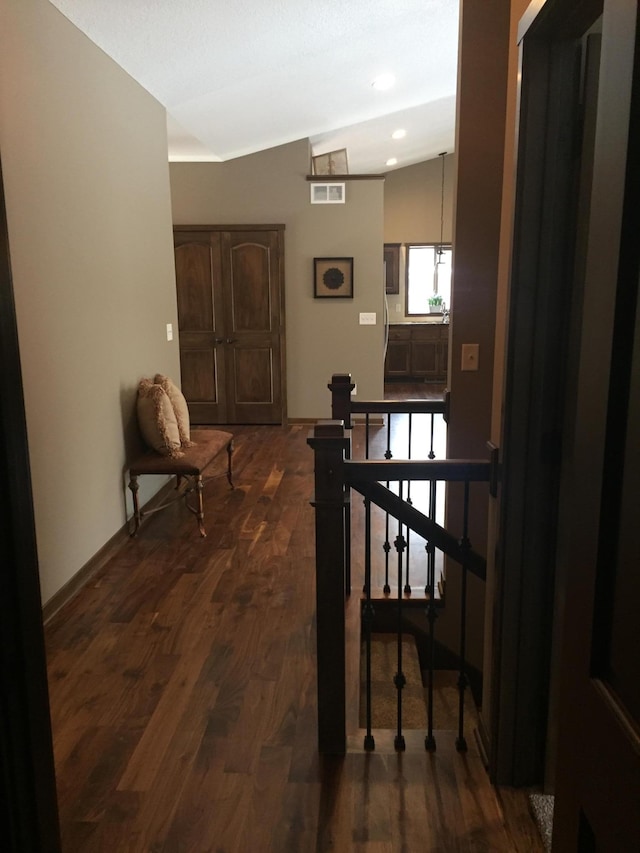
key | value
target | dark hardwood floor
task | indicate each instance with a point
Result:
(183, 696)
(413, 390)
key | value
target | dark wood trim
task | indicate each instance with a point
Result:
(541, 18)
(330, 179)
(532, 11)
(27, 775)
(329, 445)
(535, 393)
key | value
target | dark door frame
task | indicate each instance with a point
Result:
(541, 317)
(28, 805)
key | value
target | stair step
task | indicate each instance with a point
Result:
(384, 660)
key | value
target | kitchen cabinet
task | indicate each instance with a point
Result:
(392, 268)
(417, 351)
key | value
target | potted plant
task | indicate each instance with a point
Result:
(435, 304)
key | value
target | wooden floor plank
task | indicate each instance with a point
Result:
(183, 696)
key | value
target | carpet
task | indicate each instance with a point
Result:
(542, 810)
(384, 664)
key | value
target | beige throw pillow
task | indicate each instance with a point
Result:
(157, 419)
(180, 407)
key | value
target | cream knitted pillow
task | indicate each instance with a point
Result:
(157, 419)
(180, 408)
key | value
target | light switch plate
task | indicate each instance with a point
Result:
(470, 356)
(169, 331)
(368, 319)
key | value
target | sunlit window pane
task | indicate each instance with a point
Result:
(425, 277)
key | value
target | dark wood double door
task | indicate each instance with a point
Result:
(230, 287)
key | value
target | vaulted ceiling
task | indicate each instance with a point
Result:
(242, 76)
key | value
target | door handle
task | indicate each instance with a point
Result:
(218, 340)
(231, 340)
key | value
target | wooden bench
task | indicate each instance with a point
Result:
(208, 445)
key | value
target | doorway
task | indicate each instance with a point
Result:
(568, 404)
(230, 288)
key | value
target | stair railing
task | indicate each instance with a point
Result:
(389, 413)
(335, 474)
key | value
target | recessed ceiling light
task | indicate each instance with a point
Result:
(392, 161)
(384, 82)
(399, 134)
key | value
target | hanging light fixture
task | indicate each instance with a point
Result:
(439, 251)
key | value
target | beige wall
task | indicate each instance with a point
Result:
(412, 199)
(412, 205)
(89, 222)
(480, 138)
(323, 336)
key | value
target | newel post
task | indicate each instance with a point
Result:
(329, 444)
(341, 387)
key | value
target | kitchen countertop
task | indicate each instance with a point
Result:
(427, 321)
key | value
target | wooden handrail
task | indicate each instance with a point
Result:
(343, 406)
(392, 470)
(414, 407)
(421, 524)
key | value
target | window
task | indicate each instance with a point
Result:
(428, 273)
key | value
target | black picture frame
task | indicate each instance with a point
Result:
(333, 278)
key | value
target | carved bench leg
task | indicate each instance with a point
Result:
(200, 512)
(229, 466)
(133, 485)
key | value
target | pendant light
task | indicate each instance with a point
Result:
(439, 252)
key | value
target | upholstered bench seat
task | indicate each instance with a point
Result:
(208, 444)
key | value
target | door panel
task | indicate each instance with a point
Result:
(424, 358)
(250, 283)
(620, 589)
(598, 773)
(199, 370)
(251, 266)
(194, 270)
(398, 361)
(200, 317)
(252, 375)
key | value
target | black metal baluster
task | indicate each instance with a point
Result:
(367, 618)
(432, 454)
(366, 435)
(387, 546)
(430, 741)
(461, 744)
(347, 532)
(407, 585)
(399, 679)
(388, 454)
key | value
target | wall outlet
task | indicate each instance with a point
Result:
(470, 356)
(397, 307)
(169, 331)
(368, 319)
